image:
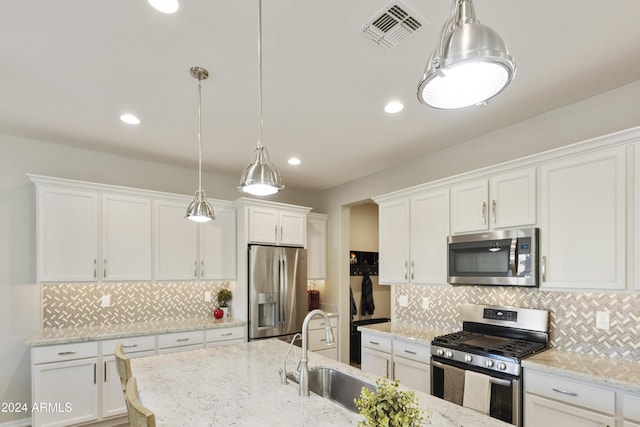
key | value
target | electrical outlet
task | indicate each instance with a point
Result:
(106, 300)
(403, 300)
(602, 320)
(207, 296)
(425, 303)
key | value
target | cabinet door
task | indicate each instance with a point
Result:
(293, 228)
(317, 247)
(469, 210)
(126, 238)
(263, 225)
(67, 235)
(375, 362)
(582, 224)
(513, 199)
(393, 238)
(412, 374)
(218, 247)
(428, 235)
(176, 242)
(543, 412)
(68, 390)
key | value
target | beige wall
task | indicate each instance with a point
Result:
(600, 115)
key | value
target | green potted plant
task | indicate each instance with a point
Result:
(388, 406)
(224, 297)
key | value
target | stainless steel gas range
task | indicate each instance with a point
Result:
(479, 366)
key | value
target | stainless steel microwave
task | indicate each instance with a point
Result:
(500, 257)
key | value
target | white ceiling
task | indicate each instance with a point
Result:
(69, 68)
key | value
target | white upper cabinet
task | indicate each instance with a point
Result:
(218, 246)
(636, 216)
(67, 234)
(277, 226)
(126, 237)
(502, 201)
(413, 232)
(582, 223)
(176, 241)
(316, 246)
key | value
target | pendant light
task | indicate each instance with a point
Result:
(470, 64)
(199, 210)
(260, 177)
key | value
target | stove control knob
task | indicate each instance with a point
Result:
(489, 363)
(449, 354)
(439, 352)
(502, 366)
(468, 358)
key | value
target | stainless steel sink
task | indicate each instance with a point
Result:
(336, 386)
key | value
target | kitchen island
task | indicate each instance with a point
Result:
(239, 385)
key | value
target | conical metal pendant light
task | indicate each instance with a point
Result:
(470, 65)
(199, 210)
(261, 177)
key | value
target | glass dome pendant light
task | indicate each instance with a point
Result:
(199, 210)
(260, 177)
(470, 64)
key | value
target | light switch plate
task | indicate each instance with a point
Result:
(425, 303)
(207, 296)
(106, 300)
(602, 320)
(403, 300)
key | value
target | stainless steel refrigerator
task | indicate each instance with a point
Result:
(277, 291)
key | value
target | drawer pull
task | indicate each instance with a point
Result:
(410, 352)
(569, 393)
(374, 343)
(227, 334)
(182, 339)
(66, 353)
(130, 346)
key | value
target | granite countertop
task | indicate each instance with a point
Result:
(403, 331)
(239, 385)
(617, 373)
(104, 332)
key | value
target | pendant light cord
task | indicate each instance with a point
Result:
(260, 73)
(199, 135)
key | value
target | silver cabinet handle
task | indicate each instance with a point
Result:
(201, 268)
(568, 393)
(374, 343)
(388, 368)
(95, 372)
(226, 334)
(66, 353)
(281, 232)
(195, 268)
(182, 339)
(544, 268)
(410, 352)
(105, 372)
(406, 265)
(276, 232)
(95, 268)
(484, 213)
(104, 268)
(130, 346)
(413, 265)
(393, 369)
(493, 211)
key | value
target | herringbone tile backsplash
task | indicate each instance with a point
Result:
(572, 314)
(79, 304)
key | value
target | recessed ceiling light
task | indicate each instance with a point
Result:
(130, 119)
(393, 107)
(165, 6)
(294, 161)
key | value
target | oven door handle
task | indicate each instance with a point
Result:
(492, 380)
(512, 257)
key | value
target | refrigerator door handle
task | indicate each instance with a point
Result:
(282, 297)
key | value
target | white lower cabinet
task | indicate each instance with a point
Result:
(397, 359)
(76, 384)
(65, 384)
(317, 338)
(551, 400)
(631, 410)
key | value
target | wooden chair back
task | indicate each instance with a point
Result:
(139, 415)
(123, 365)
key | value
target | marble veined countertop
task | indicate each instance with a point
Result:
(403, 331)
(239, 385)
(605, 371)
(104, 332)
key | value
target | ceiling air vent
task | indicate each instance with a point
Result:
(394, 23)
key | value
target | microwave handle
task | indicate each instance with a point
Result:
(512, 257)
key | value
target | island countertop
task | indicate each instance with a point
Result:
(239, 385)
